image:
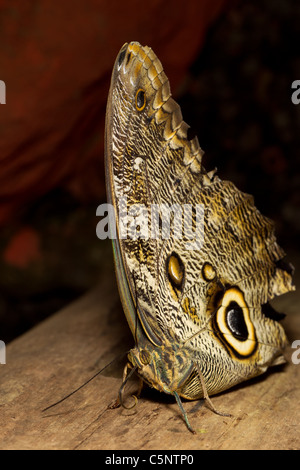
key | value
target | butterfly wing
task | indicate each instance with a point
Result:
(209, 298)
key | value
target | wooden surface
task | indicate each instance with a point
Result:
(60, 354)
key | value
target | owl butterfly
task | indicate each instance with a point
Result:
(200, 317)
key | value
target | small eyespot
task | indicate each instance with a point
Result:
(208, 272)
(175, 270)
(140, 100)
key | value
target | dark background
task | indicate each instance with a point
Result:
(230, 65)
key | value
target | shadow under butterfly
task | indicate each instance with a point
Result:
(201, 318)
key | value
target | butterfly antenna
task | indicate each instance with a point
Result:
(79, 388)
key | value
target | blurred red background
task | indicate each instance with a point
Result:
(229, 63)
(56, 60)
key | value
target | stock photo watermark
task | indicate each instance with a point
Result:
(2, 352)
(2, 92)
(296, 354)
(138, 221)
(296, 94)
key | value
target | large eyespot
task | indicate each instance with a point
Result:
(140, 99)
(234, 325)
(175, 273)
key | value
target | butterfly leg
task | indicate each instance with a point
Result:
(125, 380)
(119, 401)
(206, 396)
(183, 412)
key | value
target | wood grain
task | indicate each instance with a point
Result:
(61, 353)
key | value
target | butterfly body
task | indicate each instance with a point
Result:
(194, 302)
